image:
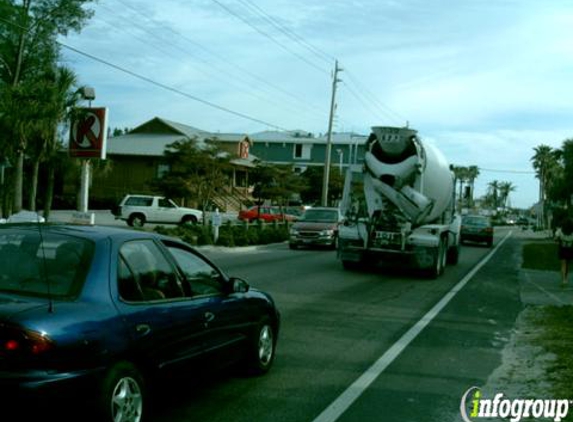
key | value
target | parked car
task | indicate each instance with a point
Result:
(105, 312)
(137, 210)
(24, 217)
(477, 228)
(265, 213)
(316, 227)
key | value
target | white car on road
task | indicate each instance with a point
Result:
(137, 210)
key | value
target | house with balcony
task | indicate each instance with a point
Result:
(303, 149)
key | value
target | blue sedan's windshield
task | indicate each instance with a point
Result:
(42, 266)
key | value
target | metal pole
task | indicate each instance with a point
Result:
(326, 173)
(85, 183)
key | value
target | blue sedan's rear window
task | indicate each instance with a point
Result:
(43, 264)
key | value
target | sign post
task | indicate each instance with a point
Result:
(88, 139)
(216, 221)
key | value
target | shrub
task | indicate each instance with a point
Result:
(229, 234)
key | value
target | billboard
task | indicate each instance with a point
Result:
(88, 133)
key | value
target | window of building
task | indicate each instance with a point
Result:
(302, 151)
(297, 150)
(162, 169)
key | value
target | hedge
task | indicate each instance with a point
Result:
(229, 234)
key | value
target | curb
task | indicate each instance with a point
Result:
(236, 249)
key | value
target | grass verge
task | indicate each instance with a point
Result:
(556, 337)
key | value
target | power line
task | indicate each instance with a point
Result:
(507, 171)
(291, 96)
(327, 58)
(289, 33)
(169, 88)
(393, 115)
(233, 79)
(270, 37)
(158, 84)
(361, 101)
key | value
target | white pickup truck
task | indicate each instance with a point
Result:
(137, 210)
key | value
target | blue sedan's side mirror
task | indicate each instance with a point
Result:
(239, 285)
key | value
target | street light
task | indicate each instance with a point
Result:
(87, 93)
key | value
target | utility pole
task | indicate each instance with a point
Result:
(326, 173)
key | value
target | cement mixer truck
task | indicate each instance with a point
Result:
(399, 205)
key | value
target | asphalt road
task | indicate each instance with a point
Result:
(336, 324)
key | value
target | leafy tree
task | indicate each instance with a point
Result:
(276, 183)
(28, 55)
(313, 180)
(197, 172)
(117, 131)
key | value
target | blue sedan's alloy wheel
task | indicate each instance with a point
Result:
(126, 401)
(266, 345)
(262, 351)
(123, 394)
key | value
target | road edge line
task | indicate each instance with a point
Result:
(355, 390)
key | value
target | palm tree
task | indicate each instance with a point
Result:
(493, 188)
(461, 176)
(473, 173)
(545, 162)
(64, 97)
(505, 188)
(20, 110)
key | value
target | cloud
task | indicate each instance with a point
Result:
(486, 81)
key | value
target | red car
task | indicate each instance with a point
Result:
(264, 213)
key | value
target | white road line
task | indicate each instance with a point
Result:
(352, 393)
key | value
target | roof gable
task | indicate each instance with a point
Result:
(161, 126)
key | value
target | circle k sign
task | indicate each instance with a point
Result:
(88, 133)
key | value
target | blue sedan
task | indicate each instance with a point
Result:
(105, 311)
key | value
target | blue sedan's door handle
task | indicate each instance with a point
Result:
(142, 329)
(209, 316)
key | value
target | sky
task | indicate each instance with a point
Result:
(485, 81)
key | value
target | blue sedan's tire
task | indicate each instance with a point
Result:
(123, 394)
(261, 353)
